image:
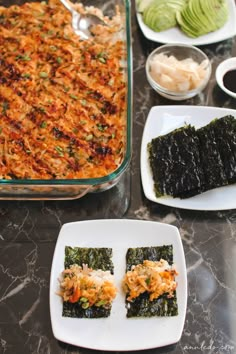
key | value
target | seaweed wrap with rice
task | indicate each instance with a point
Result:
(142, 298)
(87, 284)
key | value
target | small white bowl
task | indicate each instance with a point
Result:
(222, 69)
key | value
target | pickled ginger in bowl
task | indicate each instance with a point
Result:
(177, 71)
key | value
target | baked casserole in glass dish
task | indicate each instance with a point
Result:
(65, 103)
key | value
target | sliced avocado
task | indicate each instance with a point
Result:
(200, 17)
(160, 15)
(142, 4)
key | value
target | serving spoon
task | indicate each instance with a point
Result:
(82, 23)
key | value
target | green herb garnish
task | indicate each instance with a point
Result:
(5, 107)
(43, 74)
(23, 57)
(59, 60)
(43, 124)
(74, 97)
(26, 75)
(59, 150)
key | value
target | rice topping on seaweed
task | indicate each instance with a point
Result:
(155, 278)
(142, 305)
(87, 282)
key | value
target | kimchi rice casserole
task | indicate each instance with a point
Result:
(62, 99)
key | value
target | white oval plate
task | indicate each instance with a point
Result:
(162, 120)
(117, 332)
(175, 35)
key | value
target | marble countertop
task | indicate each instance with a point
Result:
(29, 230)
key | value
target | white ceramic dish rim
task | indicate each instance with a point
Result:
(163, 119)
(175, 35)
(117, 333)
(221, 70)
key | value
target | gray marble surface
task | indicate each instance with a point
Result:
(29, 230)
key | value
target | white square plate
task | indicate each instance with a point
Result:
(117, 332)
(175, 35)
(163, 119)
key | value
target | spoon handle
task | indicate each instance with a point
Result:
(68, 5)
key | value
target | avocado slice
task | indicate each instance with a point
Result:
(160, 15)
(200, 17)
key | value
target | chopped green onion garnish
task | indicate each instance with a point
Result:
(101, 303)
(85, 305)
(53, 47)
(73, 97)
(41, 109)
(26, 75)
(59, 60)
(59, 150)
(89, 137)
(5, 107)
(43, 125)
(101, 127)
(102, 60)
(23, 57)
(43, 74)
(83, 102)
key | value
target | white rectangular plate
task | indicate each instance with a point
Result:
(175, 35)
(117, 332)
(163, 119)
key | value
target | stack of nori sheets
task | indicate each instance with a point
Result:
(225, 133)
(175, 163)
(96, 258)
(186, 161)
(142, 306)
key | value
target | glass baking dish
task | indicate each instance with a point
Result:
(43, 189)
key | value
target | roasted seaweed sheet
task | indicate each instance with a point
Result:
(225, 134)
(212, 164)
(142, 306)
(96, 258)
(186, 161)
(178, 171)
